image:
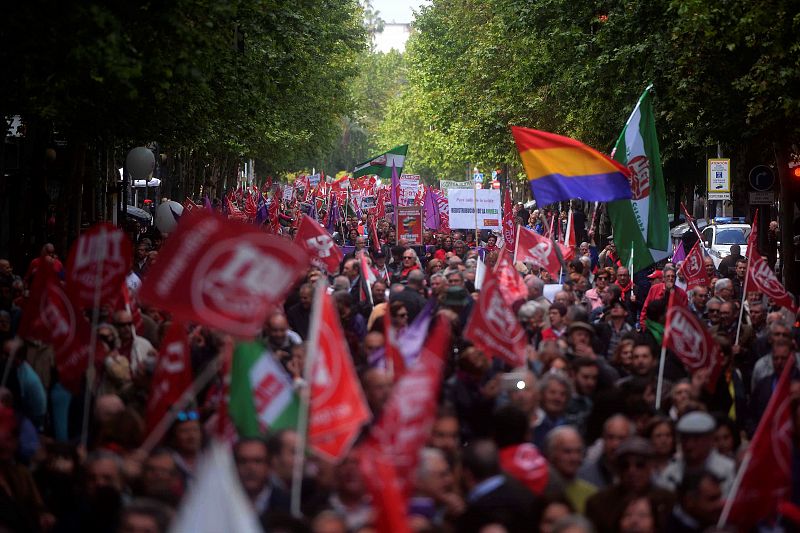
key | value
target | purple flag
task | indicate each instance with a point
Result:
(333, 214)
(207, 203)
(432, 219)
(410, 340)
(679, 254)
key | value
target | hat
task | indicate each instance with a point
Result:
(378, 255)
(580, 325)
(635, 446)
(455, 297)
(657, 274)
(696, 423)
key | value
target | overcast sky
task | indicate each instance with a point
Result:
(397, 10)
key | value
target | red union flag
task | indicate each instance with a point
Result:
(691, 342)
(103, 251)
(692, 269)
(338, 408)
(767, 479)
(51, 317)
(509, 226)
(533, 248)
(408, 416)
(222, 273)
(172, 376)
(493, 326)
(760, 277)
(511, 284)
(319, 245)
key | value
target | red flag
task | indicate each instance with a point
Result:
(511, 284)
(375, 243)
(571, 233)
(319, 245)
(222, 273)
(388, 500)
(509, 228)
(337, 406)
(493, 326)
(524, 463)
(532, 248)
(188, 205)
(394, 360)
(172, 375)
(689, 339)
(767, 475)
(760, 276)
(692, 269)
(409, 414)
(51, 317)
(105, 251)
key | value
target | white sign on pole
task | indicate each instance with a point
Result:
(313, 180)
(461, 208)
(719, 179)
(288, 193)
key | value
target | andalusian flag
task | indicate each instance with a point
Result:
(640, 225)
(382, 165)
(261, 392)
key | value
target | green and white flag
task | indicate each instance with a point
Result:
(261, 392)
(381, 165)
(641, 227)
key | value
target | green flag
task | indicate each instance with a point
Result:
(381, 165)
(641, 228)
(261, 392)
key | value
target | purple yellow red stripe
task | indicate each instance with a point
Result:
(560, 168)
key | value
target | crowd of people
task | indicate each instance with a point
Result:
(569, 442)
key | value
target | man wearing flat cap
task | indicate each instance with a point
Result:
(696, 436)
(634, 469)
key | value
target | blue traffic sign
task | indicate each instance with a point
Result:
(762, 178)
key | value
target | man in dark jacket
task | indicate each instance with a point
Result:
(492, 497)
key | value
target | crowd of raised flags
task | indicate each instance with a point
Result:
(292, 310)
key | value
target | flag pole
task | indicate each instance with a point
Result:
(100, 252)
(744, 285)
(305, 399)
(516, 244)
(660, 382)
(475, 209)
(737, 482)
(662, 359)
(160, 429)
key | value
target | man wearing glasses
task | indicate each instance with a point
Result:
(697, 305)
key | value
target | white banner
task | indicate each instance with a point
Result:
(313, 180)
(409, 185)
(288, 193)
(461, 208)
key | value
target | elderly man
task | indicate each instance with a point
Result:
(698, 299)
(696, 436)
(565, 452)
(723, 289)
(633, 464)
(555, 391)
(600, 472)
(435, 486)
(137, 349)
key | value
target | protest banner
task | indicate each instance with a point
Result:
(409, 224)
(462, 205)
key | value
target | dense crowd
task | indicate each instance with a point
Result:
(571, 441)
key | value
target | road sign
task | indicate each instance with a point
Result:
(762, 198)
(762, 178)
(719, 196)
(719, 176)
